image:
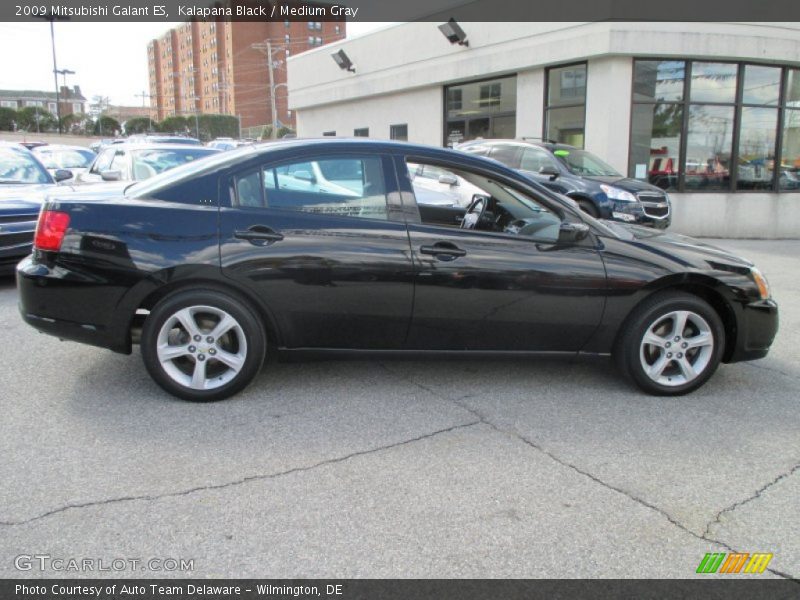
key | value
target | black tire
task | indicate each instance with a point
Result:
(589, 208)
(248, 339)
(631, 356)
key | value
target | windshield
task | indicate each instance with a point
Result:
(66, 159)
(581, 162)
(149, 163)
(18, 166)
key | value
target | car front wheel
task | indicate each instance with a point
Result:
(672, 344)
(202, 346)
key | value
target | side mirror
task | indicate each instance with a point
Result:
(62, 175)
(111, 175)
(448, 179)
(572, 232)
(550, 171)
(304, 176)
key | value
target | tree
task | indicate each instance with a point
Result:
(105, 125)
(34, 118)
(214, 126)
(8, 117)
(174, 124)
(284, 131)
(137, 125)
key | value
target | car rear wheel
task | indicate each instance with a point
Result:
(202, 346)
(672, 344)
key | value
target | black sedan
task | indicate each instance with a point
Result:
(321, 246)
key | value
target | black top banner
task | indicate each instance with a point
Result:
(396, 589)
(401, 10)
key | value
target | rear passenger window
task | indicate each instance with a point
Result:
(346, 186)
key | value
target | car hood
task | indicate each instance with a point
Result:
(626, 183)
(679, 247)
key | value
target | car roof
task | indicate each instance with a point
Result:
(550, 145)
(157, 146)
(60, 147)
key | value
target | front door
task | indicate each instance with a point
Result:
(501, 280)
(314, 238)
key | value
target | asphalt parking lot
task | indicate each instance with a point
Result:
(402, 468)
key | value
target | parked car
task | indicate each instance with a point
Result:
(23, 184)
(136, 162)
(227, 143)
(205, 282)
(75, 159)
(597, 187)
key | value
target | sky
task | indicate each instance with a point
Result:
(109, 59)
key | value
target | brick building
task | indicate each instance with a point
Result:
(220, 67)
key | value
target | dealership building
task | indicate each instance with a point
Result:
(708, 111)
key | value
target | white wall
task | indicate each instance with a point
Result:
(421, 109)
(530, 103)
(742, 215)
(609, 82)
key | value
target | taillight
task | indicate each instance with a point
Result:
(50, 230)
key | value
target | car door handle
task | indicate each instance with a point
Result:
(443, 249)
(259, 234)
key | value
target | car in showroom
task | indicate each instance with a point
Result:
(599, 189)
(136, 162)
(205, 282)
(75, 159)
(24, 181)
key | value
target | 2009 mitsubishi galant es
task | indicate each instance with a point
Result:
(211, 262)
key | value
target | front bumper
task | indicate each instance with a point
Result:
(757, 327)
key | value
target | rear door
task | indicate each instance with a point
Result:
(318, 239)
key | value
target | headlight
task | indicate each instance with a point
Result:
(761, 282)
(614, 193)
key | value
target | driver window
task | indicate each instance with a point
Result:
(491, 207)
(535, 159)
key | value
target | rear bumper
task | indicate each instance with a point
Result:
(46, 295)
(757, 327)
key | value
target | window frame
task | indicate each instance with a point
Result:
(548, 107)
(738, 105)
(393, 133)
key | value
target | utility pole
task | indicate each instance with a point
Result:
(144, 95)
(266, 47)
(55, 75)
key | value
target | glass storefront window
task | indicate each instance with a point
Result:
(713, 82)
(566, 85)
(565, 112)
(789, 179)
(661, 81)
(566, 125)
(484, 109)
(708, 147)
(656, 144)
(683, 128)
(762, 85)
(757, 135)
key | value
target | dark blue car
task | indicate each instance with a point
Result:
(597, 187)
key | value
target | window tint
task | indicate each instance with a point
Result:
(534, 159)
(350, 187)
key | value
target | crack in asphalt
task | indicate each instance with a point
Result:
(771, 369)
(237, 482)
(483, 419)
(718, 518)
